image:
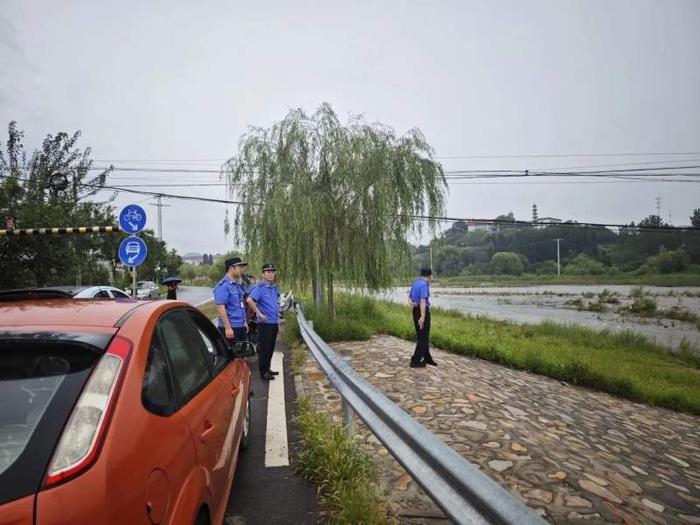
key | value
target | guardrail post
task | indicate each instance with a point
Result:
(348, 412)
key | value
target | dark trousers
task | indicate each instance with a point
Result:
(422, 353)
(267, 337)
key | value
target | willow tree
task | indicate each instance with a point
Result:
(329, 202)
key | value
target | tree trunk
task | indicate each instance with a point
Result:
(317, 285)
(331, 298)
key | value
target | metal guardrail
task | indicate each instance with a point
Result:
(465, 494)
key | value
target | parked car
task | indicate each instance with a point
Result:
(70, 292)
(147, 290)
(117, 412)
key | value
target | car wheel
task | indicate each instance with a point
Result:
(202, 518)
(245, 437)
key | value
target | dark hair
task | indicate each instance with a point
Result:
(425, 272)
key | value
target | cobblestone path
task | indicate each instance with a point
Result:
(573, 454)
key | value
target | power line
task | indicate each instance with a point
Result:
(151, 193)
(569, 225)
(665, 161)
(566, 155)
(575, 225)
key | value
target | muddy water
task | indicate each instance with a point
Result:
(533, 304)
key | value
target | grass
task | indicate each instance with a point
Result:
(208, 309)
(670, 279)
(625, 364)
(344, 475)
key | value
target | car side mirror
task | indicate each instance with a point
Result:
(243, 349)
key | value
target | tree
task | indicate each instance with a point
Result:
(329, 202)
(507, 263)
(695, 218)
(48, 189)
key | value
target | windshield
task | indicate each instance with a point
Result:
(143, 285)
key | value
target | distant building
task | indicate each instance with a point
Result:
(480, 226)
(543, 222)
(193, 258)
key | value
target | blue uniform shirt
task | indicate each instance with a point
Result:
(231, 295)
(266, 296)
(420, 289)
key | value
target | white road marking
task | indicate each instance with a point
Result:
(276, 449)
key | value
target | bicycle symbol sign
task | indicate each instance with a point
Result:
(132, 218)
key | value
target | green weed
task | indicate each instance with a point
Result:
(344, 475)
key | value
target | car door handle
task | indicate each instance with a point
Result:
(208, 429)
(234, 390)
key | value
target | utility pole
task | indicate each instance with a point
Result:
(658, 207)
(558, 259)
(431, 261)
(160, 207)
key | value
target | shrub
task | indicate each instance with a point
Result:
(642, 304)
(583, 264)
(668, 261)
(546, 268)
(507, 263)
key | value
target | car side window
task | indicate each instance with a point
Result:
(119, 295)
(102, 294)
(215, 345)
(186, 351)
(156, 393)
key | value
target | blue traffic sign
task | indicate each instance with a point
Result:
(132, 218)
(132, 251)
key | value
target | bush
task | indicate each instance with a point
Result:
(507, 263)
(642, 304)
(546, 268)
(584, 265)
(668, 261)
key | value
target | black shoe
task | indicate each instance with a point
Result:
(274, 373)
(431, 363)
(417, 365)
(267, 376)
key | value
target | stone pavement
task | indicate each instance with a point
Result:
(575, 455)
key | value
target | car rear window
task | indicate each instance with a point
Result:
(39, 383)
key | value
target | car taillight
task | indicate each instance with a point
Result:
(82, 438)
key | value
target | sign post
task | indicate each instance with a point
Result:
(132, 250)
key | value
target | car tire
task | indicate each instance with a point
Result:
(202, 518)
(245, 436)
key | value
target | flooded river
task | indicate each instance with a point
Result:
(562, 304)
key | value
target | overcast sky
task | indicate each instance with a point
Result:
(181, 81)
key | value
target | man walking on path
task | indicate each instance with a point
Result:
(230, 302)
(264, 300)
(419, 297)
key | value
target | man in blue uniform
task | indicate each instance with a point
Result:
(264, 300)
(230, 302)
(419, 297)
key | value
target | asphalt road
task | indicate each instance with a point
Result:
(194, 294)
(270, 495)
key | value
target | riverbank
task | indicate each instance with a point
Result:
(624, 364)
(659, 279)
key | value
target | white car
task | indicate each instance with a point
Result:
(74, 292)
(147, 290)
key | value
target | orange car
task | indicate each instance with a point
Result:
(117, 412)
